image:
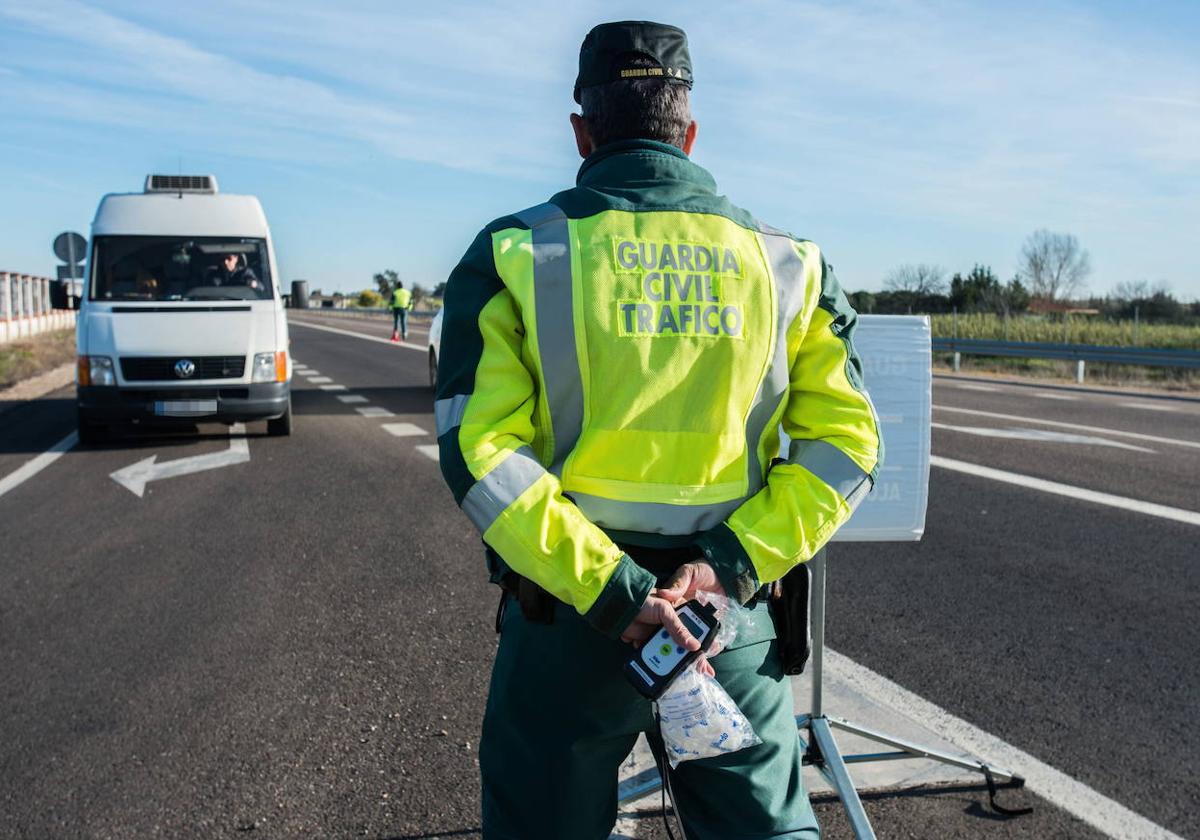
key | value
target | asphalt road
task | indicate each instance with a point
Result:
(299, 646)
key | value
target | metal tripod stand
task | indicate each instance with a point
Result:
(821, 750)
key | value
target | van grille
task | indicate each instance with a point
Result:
(159, 368)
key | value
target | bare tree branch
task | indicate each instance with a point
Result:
(1053, 265)
(919, 279)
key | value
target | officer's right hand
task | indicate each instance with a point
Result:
(655, 613)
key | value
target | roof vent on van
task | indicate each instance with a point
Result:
(181, 184)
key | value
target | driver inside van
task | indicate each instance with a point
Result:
(232, 271)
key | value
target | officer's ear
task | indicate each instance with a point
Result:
(583, 137)
(689, 137)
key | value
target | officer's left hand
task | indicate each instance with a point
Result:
(689, 579)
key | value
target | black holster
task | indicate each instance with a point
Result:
(789, 611)
(537, 605)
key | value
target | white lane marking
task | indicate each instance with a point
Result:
(966, 386)
(319, 380)
(1053, 396)
(1188, 517)
(1041, 435)
(135, 477)
(35, 465)
(430, 451)
(353, 398)
(310, 372)
(1107, 816)
(333, 387)
(400, 345)
(404, 429)
(1148, 406)
(374, 411)
(1135, 435)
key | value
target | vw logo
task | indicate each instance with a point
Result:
(185, 368)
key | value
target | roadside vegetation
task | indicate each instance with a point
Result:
(1067, 329)
(28, 357)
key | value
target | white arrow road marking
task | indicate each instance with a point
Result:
(1040, 435)
(135, 477)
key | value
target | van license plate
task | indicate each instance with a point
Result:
(185, 408)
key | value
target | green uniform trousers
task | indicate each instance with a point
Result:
(561, 718)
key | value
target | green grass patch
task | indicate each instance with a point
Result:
(1075, 330)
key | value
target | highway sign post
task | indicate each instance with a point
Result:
(70, 247)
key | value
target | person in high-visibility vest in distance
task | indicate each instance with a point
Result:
(400, 305)
(608, 417)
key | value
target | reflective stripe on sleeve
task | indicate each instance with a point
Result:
(833, 466)
(553, 296)
(448, 413)
(787, 273)
(653, 517)
(492, 494)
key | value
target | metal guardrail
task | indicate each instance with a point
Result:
(1078, 353)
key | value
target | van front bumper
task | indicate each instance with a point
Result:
(234, 403)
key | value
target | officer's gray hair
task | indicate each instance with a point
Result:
(637, 109)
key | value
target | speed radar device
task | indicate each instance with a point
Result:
(661, 659)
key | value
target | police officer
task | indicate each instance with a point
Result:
(400, 304)
(608, 415)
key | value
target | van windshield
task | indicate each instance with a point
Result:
(180, 268)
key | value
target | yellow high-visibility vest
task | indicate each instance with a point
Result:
(620, 370)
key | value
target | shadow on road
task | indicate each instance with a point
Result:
(461, 832)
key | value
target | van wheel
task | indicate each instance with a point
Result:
(91, 434)
(281, 426)
(432, 369)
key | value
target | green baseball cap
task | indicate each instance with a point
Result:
(607, 49)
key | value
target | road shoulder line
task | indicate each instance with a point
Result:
(1106, 815)
(1188, 517)
(1074, 426)
(35, 465)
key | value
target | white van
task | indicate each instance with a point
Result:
(182, 320)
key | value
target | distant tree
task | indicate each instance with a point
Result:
(918, 280)
(1053, 265)
(1016, 296)
(386, 282)
(439, 290)
(863, 302)
(979, 291)
(419, 294)
(369, 299)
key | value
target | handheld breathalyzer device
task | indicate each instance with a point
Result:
(660, 660)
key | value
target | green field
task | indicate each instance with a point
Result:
(1078, 329)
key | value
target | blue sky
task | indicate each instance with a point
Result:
(384, 135)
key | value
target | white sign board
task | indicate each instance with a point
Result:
(895, 351)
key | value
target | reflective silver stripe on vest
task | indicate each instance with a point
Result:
(787, 272)
(492, 494)
(449, 412)
(833, 466)
(653, 517)
(553, 301)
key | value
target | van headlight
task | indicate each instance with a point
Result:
(96, 370)
(264, 367)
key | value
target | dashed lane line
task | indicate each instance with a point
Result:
(333, 387)
(310, 372)
(1188, 517)
(319, 380)
(1073, 426)
(1106, 815)
(374, 411)
(1054, 397)
(352, 398)
(968, 387)
(399, 345)
(430, 451)
(35, 465)
(404, 429)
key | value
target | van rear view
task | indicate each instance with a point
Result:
(182, 321)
